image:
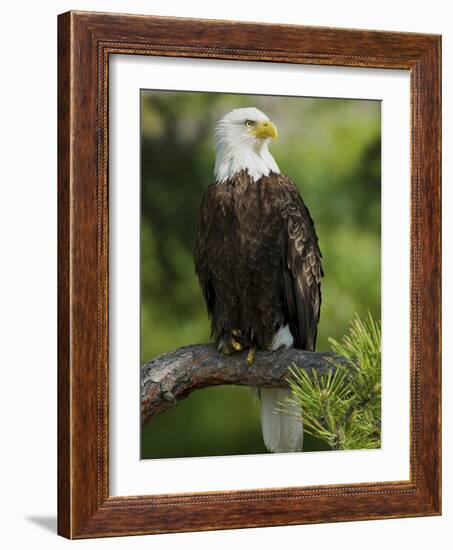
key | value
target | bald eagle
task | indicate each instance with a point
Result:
(257, 260)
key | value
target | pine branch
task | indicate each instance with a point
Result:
(343, 406)
(173, 376)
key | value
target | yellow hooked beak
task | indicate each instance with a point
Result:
(265, 129)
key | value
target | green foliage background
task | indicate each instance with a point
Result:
(331, 149)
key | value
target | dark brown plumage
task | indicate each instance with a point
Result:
(258, 261)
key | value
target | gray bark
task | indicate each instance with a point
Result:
(173, 376)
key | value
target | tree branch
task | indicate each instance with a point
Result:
(173, 376)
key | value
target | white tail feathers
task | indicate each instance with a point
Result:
(283, 432)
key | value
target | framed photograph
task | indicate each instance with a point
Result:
(249, 275)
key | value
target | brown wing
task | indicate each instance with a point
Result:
(213, 258)
(203, 244)
(302, 268)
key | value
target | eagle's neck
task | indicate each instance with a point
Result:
(231, 158)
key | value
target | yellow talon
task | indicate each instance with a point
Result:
(236, 345)
(226, 350)
(235, 341)
(251, 355)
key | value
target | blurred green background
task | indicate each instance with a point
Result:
(331, 149)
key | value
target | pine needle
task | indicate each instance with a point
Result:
(343, 406)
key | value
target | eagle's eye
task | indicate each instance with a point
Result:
(249, 123)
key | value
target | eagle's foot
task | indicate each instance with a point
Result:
(236, 340)
(226, 350)
(237, 346)
(223, 346)
(251, 355)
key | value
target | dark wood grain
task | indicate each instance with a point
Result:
(86, 40)
(64, 368)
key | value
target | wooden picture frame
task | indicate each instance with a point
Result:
(85, 42)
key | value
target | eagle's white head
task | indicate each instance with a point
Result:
(242, 138)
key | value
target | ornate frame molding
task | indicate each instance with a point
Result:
(85, 41)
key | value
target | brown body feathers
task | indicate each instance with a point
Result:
(258, 261)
